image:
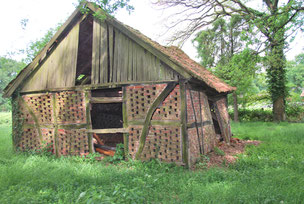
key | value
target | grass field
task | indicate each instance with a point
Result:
(272, 172)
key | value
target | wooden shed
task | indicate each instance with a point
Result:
(105, 78)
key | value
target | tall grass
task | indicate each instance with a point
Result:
(269, 173)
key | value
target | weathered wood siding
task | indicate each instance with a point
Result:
(117, 58)
(59, 68)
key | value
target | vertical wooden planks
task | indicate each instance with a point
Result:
(111, 52)
(95, 52)
(70, 60)
(130, 60)
(116, 55)
(58, 70)
(103, 49)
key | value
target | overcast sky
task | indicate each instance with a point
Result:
(45, 14)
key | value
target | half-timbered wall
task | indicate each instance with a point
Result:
(163, 140)
(201, 133)
(59, 68)
(57, 120)
(117, 58)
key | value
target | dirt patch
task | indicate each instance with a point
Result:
(225, 154)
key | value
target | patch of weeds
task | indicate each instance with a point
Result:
(203, 162)
(118, 156)
(219, 152)
(246, 138)
(43, 150)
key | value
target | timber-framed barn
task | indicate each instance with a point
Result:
(103, 78)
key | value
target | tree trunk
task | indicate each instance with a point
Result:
(279, 109)
(276, 75)
(235, 108)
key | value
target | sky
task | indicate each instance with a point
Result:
(45, 14)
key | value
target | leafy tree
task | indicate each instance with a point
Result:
(295, 74)
(36, 46)
(8, 71)
(239, 72)
(275, 21)
(109, 6)
(219, 48)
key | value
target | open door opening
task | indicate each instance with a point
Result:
(215, 122)
(84, 56)
(107, 120)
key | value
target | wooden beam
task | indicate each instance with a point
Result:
(106, 100)
(125, 122)
(184, 131)
(56, 139)
(92, 86)
(145, 130)
(176, 123)
(200, 124)
(87, 95)
(109, 131)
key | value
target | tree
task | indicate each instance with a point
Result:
(219, 48)
(275, 21)
(295, 74)
(8, 71)
(109, 6)
(36, 46)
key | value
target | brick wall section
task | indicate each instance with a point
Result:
(71, 110)
(207, 137)
(163, 141)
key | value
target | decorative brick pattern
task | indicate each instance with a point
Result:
(70, 107)
(30, 139)
(162, 142)
(41, 105)
(140, 98)
(73, 142)
(170, 108)
(134, 135)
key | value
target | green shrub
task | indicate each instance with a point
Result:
(294, 113)
(254, 115)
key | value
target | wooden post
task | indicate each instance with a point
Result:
(56, 139)
(89, 122)
(184, 123)
(125, 121)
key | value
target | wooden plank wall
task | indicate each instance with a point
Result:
(59, 68)
(117, 58)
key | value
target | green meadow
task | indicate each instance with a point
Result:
(272, 172)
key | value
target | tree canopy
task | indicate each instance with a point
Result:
(275, 20)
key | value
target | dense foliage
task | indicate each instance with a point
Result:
(8, 71)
